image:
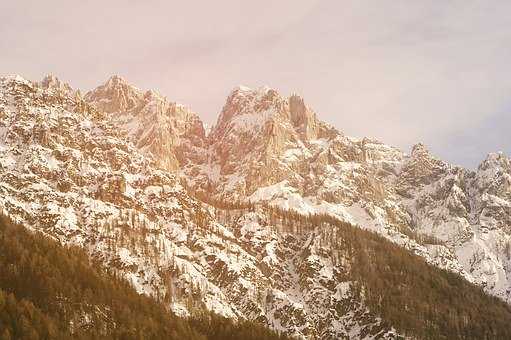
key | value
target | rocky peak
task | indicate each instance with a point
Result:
(246, 107)
(297, 109)
(493, 176)
(151, 94)
(495, 160)
(16, 78)
(303, 118)
(421, 168)
(52, 82)
(115, 95)
(265, 110)
(16, 82)
(420, 150)
(157, 126)
(115, 81)
(422, 158)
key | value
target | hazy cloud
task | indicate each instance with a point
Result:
(400, 71)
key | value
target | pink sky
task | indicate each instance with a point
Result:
(399, 71)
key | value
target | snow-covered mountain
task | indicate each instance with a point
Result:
(119, 172)
(69, 171)
(268, 148)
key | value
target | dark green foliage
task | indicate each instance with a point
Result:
(421, 300)
(219, 328)
(47, 290)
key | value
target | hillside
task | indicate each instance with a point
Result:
(416, 299)
(48, 291)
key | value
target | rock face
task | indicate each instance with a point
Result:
(52, 82)
(467, 210)
(253, 131)
(159, 128)
(105, 172)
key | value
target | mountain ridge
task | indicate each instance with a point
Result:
(126, 186)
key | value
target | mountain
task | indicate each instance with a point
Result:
(270, 217)
(71, 173)
(266, 148)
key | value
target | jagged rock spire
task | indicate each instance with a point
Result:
(302, 117)
(420, 150)
(51, 81)
(115, 95)
(495, 160)
(156, 125)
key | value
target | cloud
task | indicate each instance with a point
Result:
(401, 71)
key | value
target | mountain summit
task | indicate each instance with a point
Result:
(160, 128)
(115, 95)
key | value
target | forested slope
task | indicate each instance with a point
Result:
(418, 299)
(52, 292)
